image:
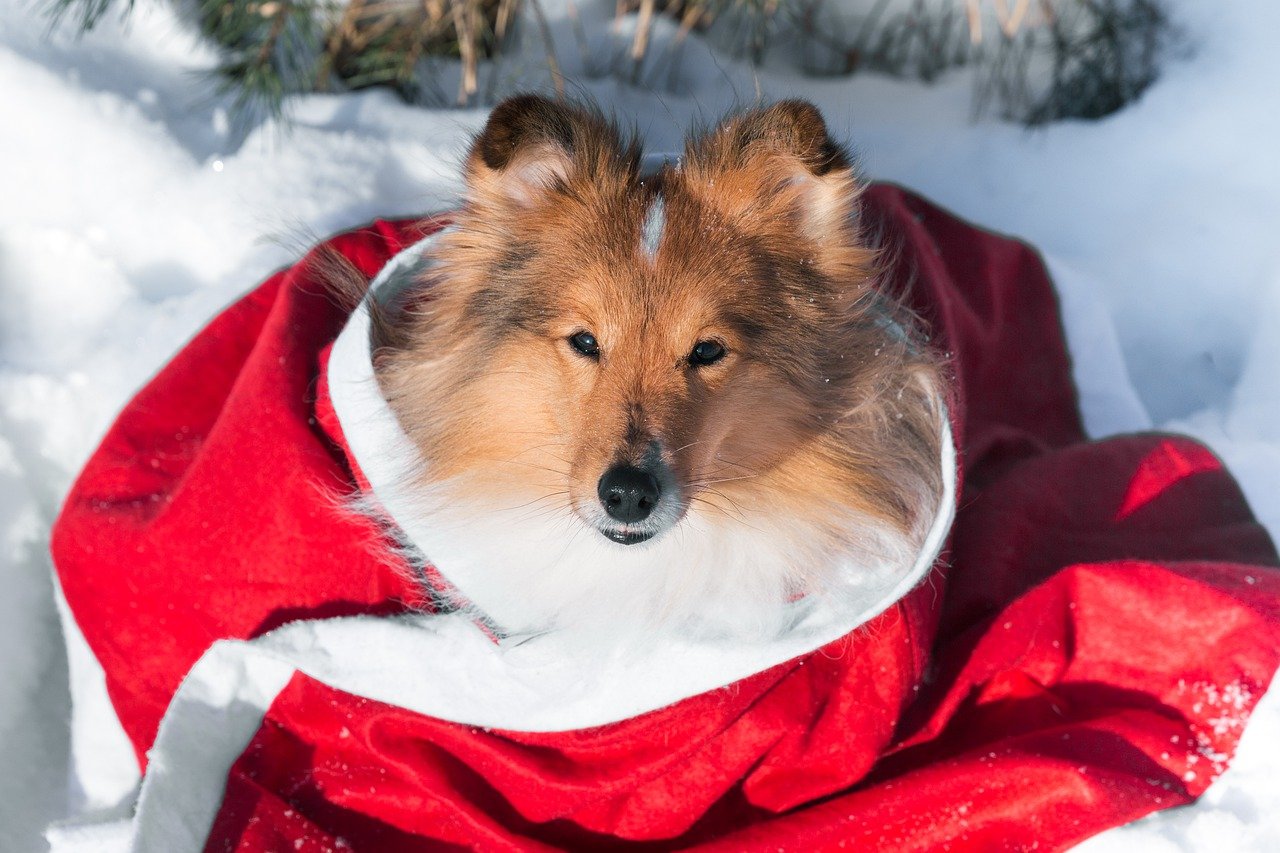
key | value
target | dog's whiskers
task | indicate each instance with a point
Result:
(687, 446)
(712, 482)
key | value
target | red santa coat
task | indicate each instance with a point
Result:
(1086, 650)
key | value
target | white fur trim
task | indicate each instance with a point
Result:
(102, 769)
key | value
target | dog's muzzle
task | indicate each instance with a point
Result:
(638, 498)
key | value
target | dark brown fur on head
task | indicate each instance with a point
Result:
(823, 408)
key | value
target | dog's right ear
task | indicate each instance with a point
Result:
(776, 164)
(532, 147)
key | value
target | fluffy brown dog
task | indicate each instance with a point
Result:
(675, 398)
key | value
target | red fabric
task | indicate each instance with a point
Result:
(1088, 650)
(204, 513)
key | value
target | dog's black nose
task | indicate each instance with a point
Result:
(628, 493)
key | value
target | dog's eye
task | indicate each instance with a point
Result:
(706, 352)
(585, 344)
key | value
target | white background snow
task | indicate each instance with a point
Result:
(129, 215)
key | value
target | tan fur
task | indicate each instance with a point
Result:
(824, 407)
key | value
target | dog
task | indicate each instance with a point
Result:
(669, 402)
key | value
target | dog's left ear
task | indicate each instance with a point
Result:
(533, 147)
(776, 161)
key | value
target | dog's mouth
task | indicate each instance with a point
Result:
(629, 537)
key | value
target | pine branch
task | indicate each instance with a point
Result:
(85, 13)
(1099, 54)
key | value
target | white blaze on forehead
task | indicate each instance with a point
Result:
(651, 233)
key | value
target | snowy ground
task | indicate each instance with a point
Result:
(129, 215)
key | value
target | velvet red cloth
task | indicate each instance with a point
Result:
(1086, 651)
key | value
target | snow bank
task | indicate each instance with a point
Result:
(130, 213)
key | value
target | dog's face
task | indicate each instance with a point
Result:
(635, 349)
(632, 331)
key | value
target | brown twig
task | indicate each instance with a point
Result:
(973, 11)
(640, 44)
(466, 49)
(557, 79)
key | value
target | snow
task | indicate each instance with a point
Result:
(131, 211)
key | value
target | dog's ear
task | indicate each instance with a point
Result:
(533, 146)
(779, 160)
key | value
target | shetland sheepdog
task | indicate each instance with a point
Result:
(669, 401)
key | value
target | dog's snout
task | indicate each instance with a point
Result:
(628, 494)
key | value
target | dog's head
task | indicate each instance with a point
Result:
(624, 350)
